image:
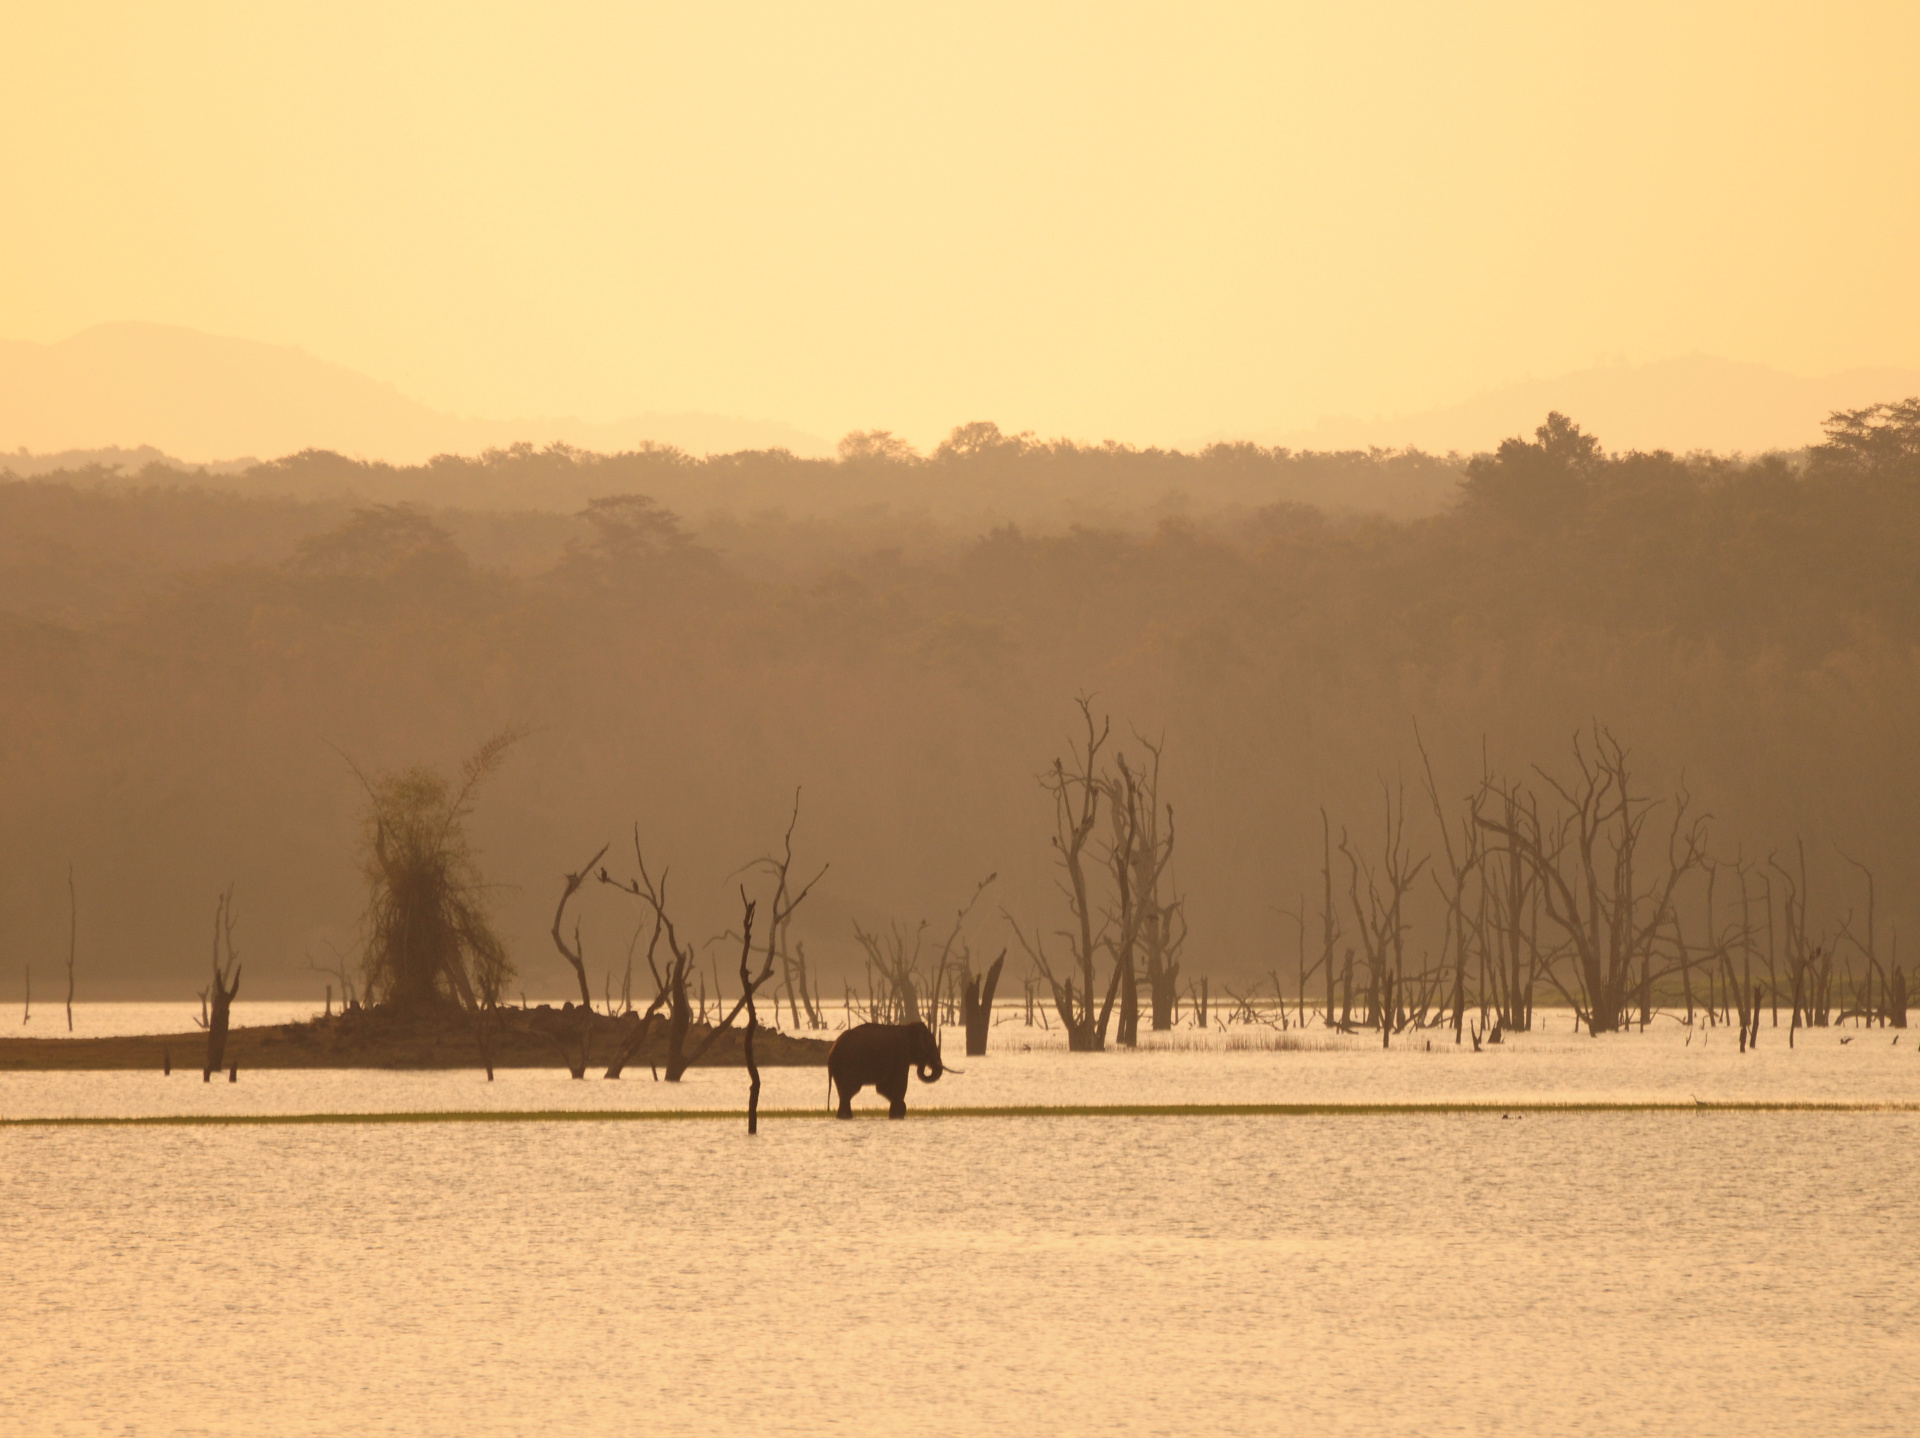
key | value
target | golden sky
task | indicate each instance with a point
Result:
(1151, 222)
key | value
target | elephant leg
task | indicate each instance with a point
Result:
(847, 1091)
(897, 1108)
(895, 1093)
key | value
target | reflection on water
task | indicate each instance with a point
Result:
(1561, 1273)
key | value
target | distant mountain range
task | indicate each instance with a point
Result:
(1693, 403)
(206, 398)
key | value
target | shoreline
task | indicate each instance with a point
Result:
(1200, 1110)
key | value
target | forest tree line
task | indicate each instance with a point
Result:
(186, 668)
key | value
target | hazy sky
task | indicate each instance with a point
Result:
(1151, 222)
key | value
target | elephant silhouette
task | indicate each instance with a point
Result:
(880, 1055)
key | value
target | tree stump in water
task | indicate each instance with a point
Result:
(976, 1006)
(226, 983)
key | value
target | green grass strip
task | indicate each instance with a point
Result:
(1112, 1110)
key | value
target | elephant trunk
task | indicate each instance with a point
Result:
(929, 1075)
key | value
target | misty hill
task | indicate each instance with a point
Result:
(213, 398)
(1693, 403)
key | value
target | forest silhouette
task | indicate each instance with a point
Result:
(904, 637)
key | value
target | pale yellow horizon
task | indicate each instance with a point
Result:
(1147, 223)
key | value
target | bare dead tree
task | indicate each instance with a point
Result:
(640, 1026)
(1809, 963)
(338, 970)
(1462, 867)
(800, 988)
(955, 958)
(1863, 1006)
(1160, 910)
(1584, 863)
(952, 973)
(1507, 915)
(792, 957)
(671, 981)
(1123, 919)
(749, 981)
(576, 1049)
(1075, 786)
(575, 953)
(1381, 917)
(786, 899)
(1329, 921)
(73, 939)
(895, 957)
(226, 983)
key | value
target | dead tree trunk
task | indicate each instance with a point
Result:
(575, 955)
(226, 983)
(1076, 792)
(976, 1006)
(484, 1022)
(1162, 925)
(576, 1050)
(1382, 919)
(1123, 808)
(1329, 925)
(1460, 868)
(73, 940)
(749, 981)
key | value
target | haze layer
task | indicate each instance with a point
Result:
(1148, 223)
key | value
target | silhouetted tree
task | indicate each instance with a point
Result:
(1610, 903)
(429, 941)
(1535, 484)
(1076, 788)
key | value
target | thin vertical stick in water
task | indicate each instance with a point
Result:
(747, 985)
(73, 939)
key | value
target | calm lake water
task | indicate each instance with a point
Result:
(1696, 1273)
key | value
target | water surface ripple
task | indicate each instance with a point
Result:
(1664, 1273)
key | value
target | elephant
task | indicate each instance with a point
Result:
(881, 1054)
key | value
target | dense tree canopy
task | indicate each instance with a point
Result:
(183, 664)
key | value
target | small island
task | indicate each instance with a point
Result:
(382, 1038)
